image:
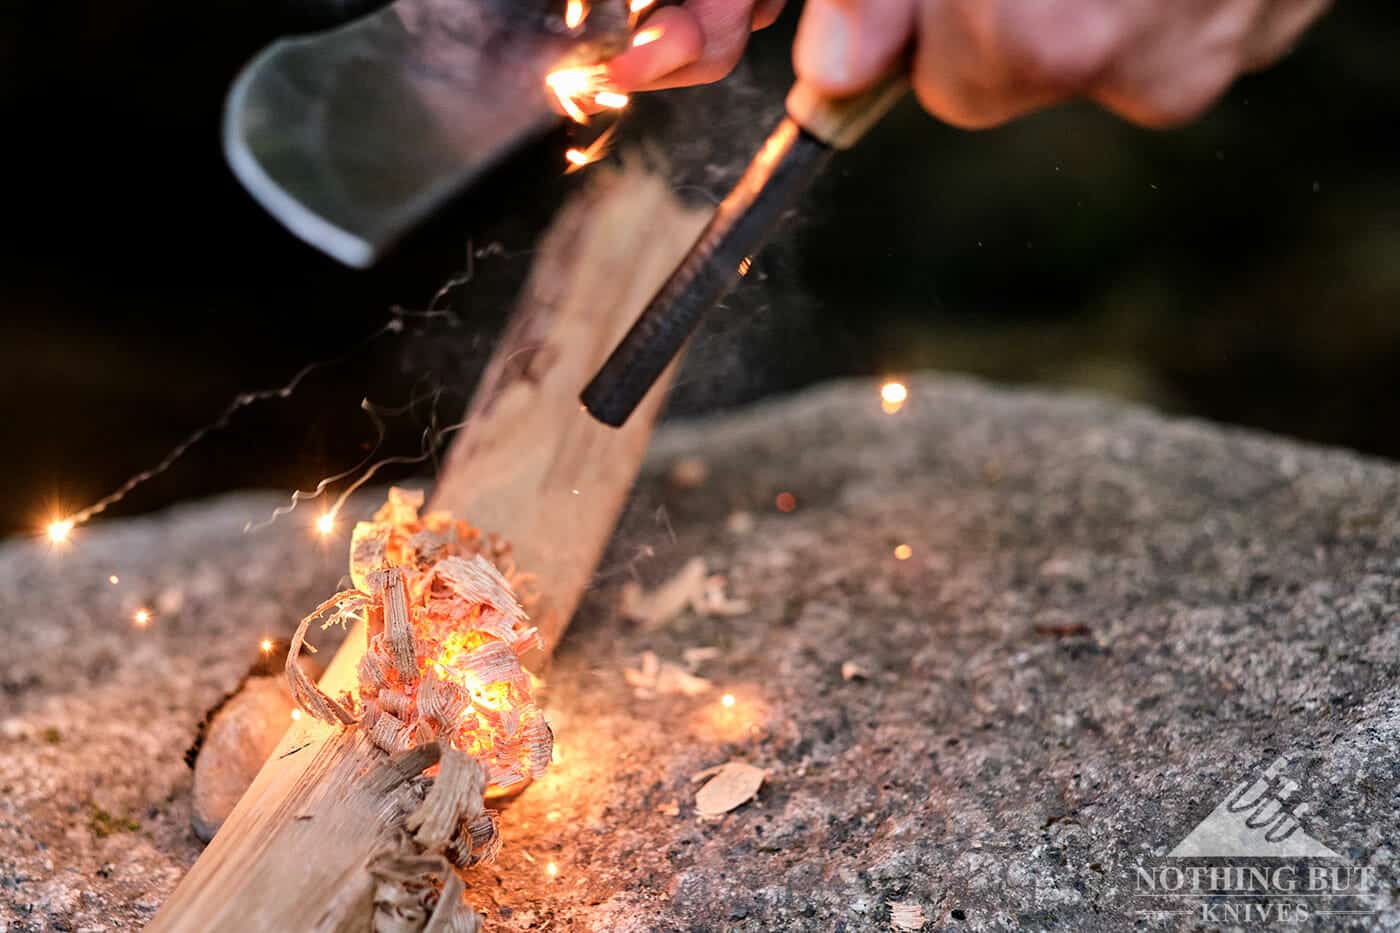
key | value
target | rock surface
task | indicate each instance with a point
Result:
(1104, 622)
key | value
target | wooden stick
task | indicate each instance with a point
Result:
(532, 467)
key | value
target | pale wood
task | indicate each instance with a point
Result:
(291, 856)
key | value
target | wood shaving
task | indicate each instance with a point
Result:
(691, 587)
(850, 670)
(732, 784)
(906, 915)
(666, 678)
(445, 634)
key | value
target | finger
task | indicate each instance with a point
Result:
(845, 46)
(962, 71)
(670, 40)
(1282, 24)
(725, 26)
(766, 13)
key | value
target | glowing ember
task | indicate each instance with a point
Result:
(892, 396)
(325, 524)
(445, 634)
(575, 13)
(577, 157)
(903, 552)
(785, 502)
(645, 37)
(60, 529)
(114, 579)
(727, 700)
(265, 645)
(142, 617)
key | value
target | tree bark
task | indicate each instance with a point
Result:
(530, 466)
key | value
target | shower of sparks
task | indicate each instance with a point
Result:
(325, 524)
(265, 645)
(903, 552)
(645, 37)
(60, 529)
(892, 396)
(142, 618)
(578, 158)
(575, 13)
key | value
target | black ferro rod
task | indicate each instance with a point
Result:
(783, 169)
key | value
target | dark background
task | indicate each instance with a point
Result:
(1245, 269)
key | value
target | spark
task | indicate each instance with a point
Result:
(578, 158)
(727, 700)
(575, 13)
(395, 325)
(645, 37)
(893, 394)
(571, 85)
(903, 552)
(142, 618)
(637, 6)
(265, 645)
(785, 502)
(551, 869)
(611, 99)
(325, 524)
(114, 579)
(296, 714)
(744, 265)
(60, 529)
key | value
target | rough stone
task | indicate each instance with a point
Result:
(1105, 623)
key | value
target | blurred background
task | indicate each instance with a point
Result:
(1245, 269)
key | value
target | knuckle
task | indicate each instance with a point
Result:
(1065, 54)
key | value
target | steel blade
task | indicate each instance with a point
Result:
(352, 137)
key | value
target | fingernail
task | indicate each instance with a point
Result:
(825, 43)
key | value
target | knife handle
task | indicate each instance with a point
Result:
(840, 122)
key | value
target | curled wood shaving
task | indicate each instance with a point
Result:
(304, 690)
(456, 795)
(416, 893)
(907, 915)
(663, 677)
(692, 587)
(734, 783)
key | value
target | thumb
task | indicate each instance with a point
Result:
(845, 46)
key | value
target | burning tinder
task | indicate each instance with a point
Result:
(445, 633)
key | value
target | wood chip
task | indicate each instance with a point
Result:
(663, 677)
(734, 784)
(906, 915)
(655, 608)
(850, 670)
(692, 587)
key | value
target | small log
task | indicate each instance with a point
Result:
(532, 467)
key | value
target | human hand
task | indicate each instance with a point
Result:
(979, 63)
